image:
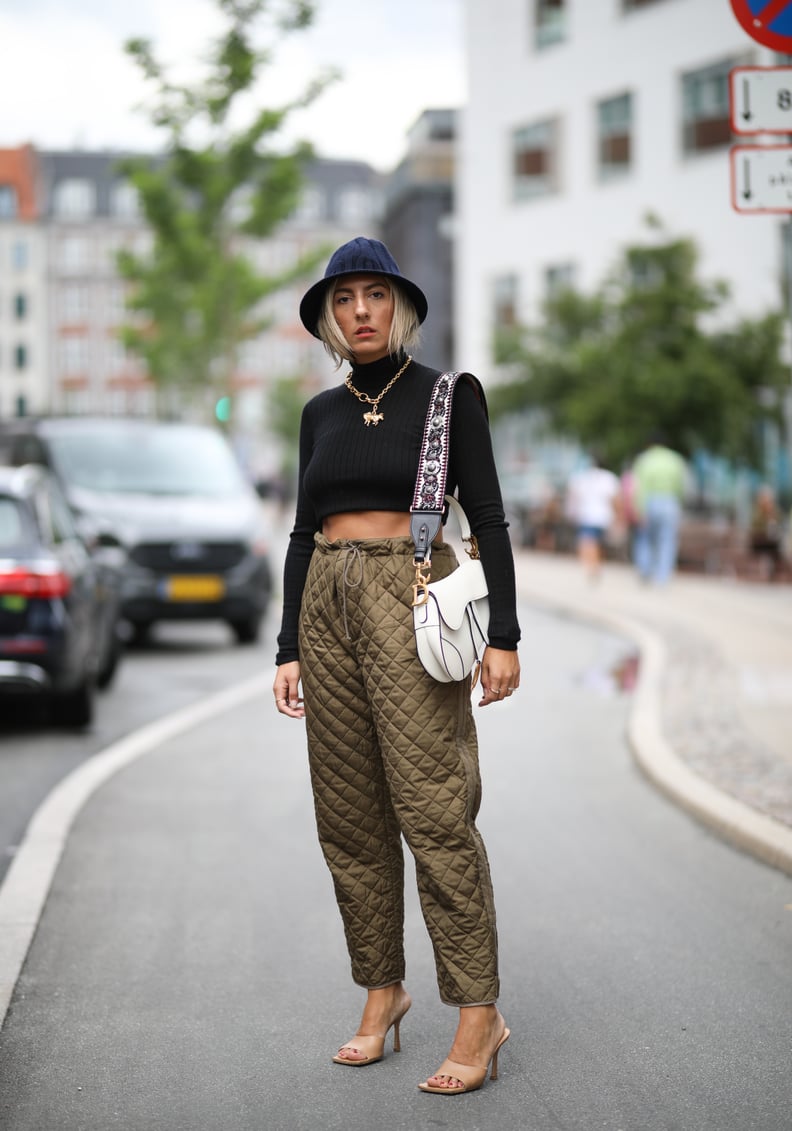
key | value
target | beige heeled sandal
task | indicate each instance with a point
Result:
(469, 1077)
(372, 1048)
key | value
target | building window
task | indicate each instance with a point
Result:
(21, 358)
(118, 360)
(9, 204)
(311, 206)
(550, 20)
(535, 160)
(115, 303)
(20, 307)
(73, 356)
(73, 305)
(20, 258)
(504, 296)
(705, 108)
(124, 201)
(614, 136)
(74, 199)
(73, 254)
(559, 277)
(354, 206)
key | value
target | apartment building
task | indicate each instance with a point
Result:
(585, 116)
(24, 374)
(89, 211)
(417, 225)
(64, 215)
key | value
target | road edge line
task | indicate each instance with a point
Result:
(26, 885)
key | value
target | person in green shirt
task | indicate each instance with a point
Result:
(660, 476)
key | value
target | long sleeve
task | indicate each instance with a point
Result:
(472, 469)
(298, 555)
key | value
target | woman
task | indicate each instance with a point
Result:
(392, 752)
(766, 532)
(593, 505)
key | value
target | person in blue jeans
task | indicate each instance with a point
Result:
(659, 475)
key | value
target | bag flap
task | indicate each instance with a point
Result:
(467, 583)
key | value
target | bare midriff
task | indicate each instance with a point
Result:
(366, 524)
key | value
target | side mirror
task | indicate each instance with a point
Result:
(96, 536)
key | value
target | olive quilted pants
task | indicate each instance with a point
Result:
(392, 752)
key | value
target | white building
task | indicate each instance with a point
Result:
(584, 116)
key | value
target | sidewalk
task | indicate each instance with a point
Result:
(712, 719)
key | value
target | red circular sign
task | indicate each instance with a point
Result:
(769, 22)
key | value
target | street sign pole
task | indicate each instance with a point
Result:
(768, 22)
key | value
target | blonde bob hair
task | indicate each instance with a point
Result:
(405, 328)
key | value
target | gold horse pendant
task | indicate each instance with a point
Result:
(373, 418)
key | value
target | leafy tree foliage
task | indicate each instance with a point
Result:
(196, 295)
(643, 355)
(286, 401)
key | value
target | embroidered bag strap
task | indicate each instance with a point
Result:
(426, 512)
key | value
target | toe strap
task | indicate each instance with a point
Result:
(462, 1075)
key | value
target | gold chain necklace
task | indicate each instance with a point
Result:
(374, 416)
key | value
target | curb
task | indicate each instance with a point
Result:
(745, 828)
(27, 882)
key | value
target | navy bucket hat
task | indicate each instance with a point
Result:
(361, 256)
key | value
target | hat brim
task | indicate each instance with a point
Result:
(312, 300)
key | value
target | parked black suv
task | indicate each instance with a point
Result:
(53, 637)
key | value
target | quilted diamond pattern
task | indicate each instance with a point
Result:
(393, 753)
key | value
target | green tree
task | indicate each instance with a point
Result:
(285, 402)
(196, 295)
(642, 355)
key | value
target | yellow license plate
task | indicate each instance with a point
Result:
(196, 588)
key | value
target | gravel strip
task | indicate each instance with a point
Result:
(701, 720)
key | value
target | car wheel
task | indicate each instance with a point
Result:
(76, 708)
(247, 631)
(140, 631)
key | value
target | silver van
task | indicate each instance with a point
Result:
(173, 500)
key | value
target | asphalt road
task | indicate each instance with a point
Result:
(189, 973)
(180, 663)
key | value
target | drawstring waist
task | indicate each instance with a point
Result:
(351, 556)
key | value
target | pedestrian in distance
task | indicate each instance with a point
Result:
(766, 533)
(660, 476)
(392, 752)
(592, 503)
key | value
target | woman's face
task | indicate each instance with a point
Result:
(363, 307)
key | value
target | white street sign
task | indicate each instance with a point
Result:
(760, 99)
(761, 178)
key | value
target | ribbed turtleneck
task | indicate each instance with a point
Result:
(372, 377)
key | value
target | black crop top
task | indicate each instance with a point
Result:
(346, 467)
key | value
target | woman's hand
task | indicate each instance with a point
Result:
(287, 690)
(500, 675)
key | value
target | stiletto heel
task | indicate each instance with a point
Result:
(372, 1048)
(468, 1077)
(494, 1070)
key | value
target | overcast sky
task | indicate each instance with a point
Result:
(65, 80)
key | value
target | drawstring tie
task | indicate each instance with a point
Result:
(352, 558)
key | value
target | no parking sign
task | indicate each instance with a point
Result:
(769, 22)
